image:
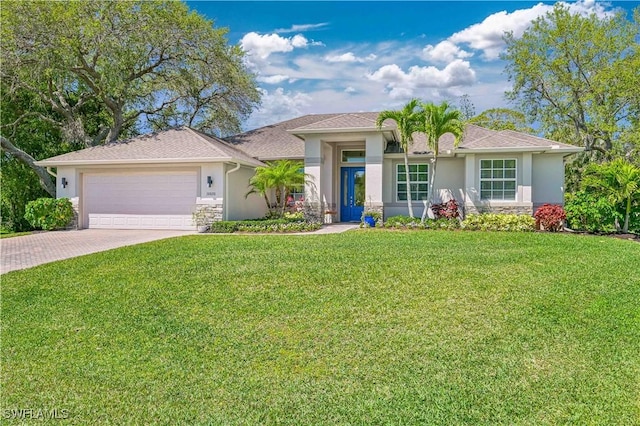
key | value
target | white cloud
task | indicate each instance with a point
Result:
(445, 51)
(389, 74)
(296, 28)
(487, 35)
(350, 90)
(277, 106)
(273, 79)
(402, 84)
(349, 57)
(264, 45)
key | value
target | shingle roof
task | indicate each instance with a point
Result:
(343, 121)
(179, 144)
(279, 140)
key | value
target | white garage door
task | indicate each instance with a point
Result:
(140, 200)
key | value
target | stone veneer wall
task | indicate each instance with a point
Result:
(504, 209)
(75, 222)
(213, 212)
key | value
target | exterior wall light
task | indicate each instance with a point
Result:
(64, 182)
(209, 181)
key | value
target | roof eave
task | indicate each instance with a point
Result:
(339, 130)
(114, 162)
(533, 149)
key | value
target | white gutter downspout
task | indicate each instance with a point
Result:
(226, 190)
(48, 169)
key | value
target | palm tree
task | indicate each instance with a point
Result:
(409, 121)
(439, 120)
(281, 176)
(619, 180)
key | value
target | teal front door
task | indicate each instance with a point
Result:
(352, 193)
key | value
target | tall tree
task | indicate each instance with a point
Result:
(408, 120)
(438, 121)
(578, 76)
(502, 119)
(138, 62)
(466, 107)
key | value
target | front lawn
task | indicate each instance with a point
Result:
(366, 327)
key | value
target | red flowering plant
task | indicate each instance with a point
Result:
(550, 217)
(448, 210)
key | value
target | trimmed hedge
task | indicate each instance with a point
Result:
(262, 225)
(49, 213)
(499, 222)
(405, 222)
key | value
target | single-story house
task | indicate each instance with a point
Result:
(157, 180)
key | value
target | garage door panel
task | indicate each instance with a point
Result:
(140, 200)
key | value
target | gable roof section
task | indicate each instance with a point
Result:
(341, 122)
(179, 145)
(274, 141)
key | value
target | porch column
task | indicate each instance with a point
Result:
(525, 189)
(374, 152)
(470, 190)
(313, 186)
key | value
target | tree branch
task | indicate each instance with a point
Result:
(45, 178)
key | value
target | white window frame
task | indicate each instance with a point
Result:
(502, 179)
(417, 182)
(354, 163)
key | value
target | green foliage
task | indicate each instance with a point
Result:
(550, 217)
(285, 224)
(408, 121)
(438, 121)
(578, 76)
(590, 212)
(502, 119)
(376, 215)
(401, 222)
(619, 182)
(279, 177)
(154, 62)
(49, 213)
(499, 222)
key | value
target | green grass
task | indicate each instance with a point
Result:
(9, 234)
(360, 328)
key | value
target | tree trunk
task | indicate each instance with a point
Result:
(45, 178)
(432, 179)
(625, 227)
(407, 176)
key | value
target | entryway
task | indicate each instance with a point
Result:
(352, 193)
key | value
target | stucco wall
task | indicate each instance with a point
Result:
(449, 183)
(237, 206)
(548, 179)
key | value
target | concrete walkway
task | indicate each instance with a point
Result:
(44, 247)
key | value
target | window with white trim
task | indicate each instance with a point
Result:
(418, 181)
(498, 179)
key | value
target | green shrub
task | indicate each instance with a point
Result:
(499, 222)
(402, 222)
(264, 225)
(590, 212)
(223, 227)
(49, 213)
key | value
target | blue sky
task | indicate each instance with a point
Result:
(319, 57)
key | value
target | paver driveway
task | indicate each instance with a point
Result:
(44, 247)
